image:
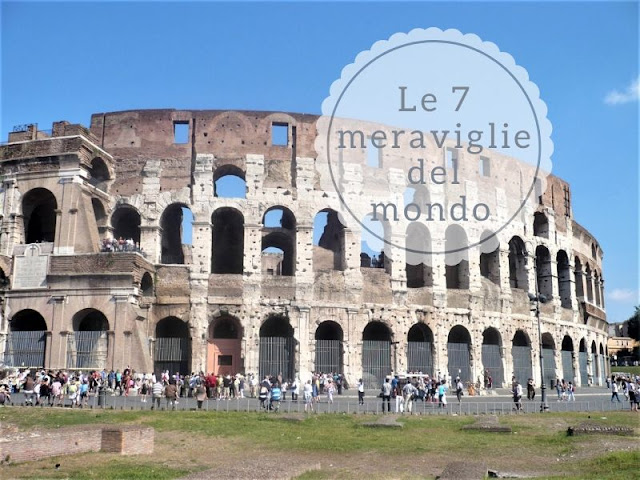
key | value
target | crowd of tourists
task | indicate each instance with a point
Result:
(120, 245)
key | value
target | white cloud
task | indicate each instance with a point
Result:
(631, 94)
(623, 295)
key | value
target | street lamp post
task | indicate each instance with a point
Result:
(538, 298)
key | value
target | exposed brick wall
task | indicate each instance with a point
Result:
(34, 445)
(101, 263)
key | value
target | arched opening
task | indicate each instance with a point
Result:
(594, 251)
(328, 241)
(228, 241)
(544, 272)
(4, 280)
(87, 348)
(589, 283)
(172, 350)
(229, 182)
(521, 356)
(39, 215)
(518, 264)
(371, 242)
(601, 364)
(457, 268)
(26, 340)
(549, 354)
(277, 348)
(418, 257)
(595, 364)
(596, 287)
(146, 285)
(492, 356)
(583, 362)
(579, 279)
(376, 354)
(329, 351)
(99, 174)
(490, 257)
(126, 223)
(420, 349)
(224, 355)
(540, 225)
(458, 351)
(176, 224)
(567, 359)
(564, 278)
(601, 291)
(278, 242)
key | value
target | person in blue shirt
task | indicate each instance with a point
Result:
(442, 394)
(276, 394)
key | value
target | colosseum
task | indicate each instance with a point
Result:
(99, 268)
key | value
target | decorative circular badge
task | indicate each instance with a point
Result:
(435, 142)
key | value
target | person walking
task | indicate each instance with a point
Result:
(308, 396)
(459, 389)
(171, 394)
(442, 394)
(360, 392)
(531, 389)
(614, 391)
(517, 396)
(571, 389)
(408, 393)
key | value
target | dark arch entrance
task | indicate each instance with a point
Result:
(376, 354)
(126, 223)
(458, 346)
(596, 369)
(173, 235)
(583, 361)
(549, 354)
(225, 345)
(26, 340)
(39, 211)
(88, 346)
(521, 355)
(567, 359)
(172, 349)
(329, 351)
(277, 348)
(228, 241)
(491, 356)
(420, 349)
(146, 285)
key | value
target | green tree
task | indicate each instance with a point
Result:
(634, 324)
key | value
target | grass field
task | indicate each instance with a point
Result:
(633, 370)
(336, 445)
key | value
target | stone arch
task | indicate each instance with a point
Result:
(88, 347)
(100, 215)
(174, 239)
(490, 257)
(567, 358)
(596, 287)
(39, 207)
(583, 362)
(578, 279)
(492, 355)
(229, 181)
(459, 353)
(418, 262)
(231, 129)
(329, 352)
(4, 280)
(99, 174)
(278, 241)
(146, 285)
(549, 358)
(376, 353)
(227, 244)
(564, 278)
(521, 356)
(224, 352)
(328, 245)
(125, 221)
(26, 340)
(540, 225)
(457, 274)
(544, 272)
(589, 277)
(172, 350)
(370, 245)
(277, 348)
(597, 364)
(420, 349)
(518, 264)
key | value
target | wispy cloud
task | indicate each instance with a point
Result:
(630, 94)
(623, 295)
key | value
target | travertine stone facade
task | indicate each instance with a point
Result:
(129, 176)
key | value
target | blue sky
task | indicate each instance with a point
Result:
(68, 60)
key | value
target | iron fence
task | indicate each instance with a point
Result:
(459, 361)
(522, 367)
(420, 357)
(492, 361)
(328, 356)
(376, 362)
(25, 349)
(172, 354)
(277, 357)
(87, 350)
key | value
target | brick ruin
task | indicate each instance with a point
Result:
(255, 289)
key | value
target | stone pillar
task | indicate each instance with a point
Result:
(507, 364)
(57, 350)
(121, 356)
(577, 379)
(305, 366)
(353, 347)
(202, 238)
(150, 236)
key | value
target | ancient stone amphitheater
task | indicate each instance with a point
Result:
(100, 270)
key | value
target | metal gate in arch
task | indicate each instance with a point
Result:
(492, 361)
(582, 362)
(420, 357)
(522, 368)
(376, 362)
(277, 357)
(459, 361)
(25, 349)
(549, 366)
(328, 356)
(567, 366)
(172, 353)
